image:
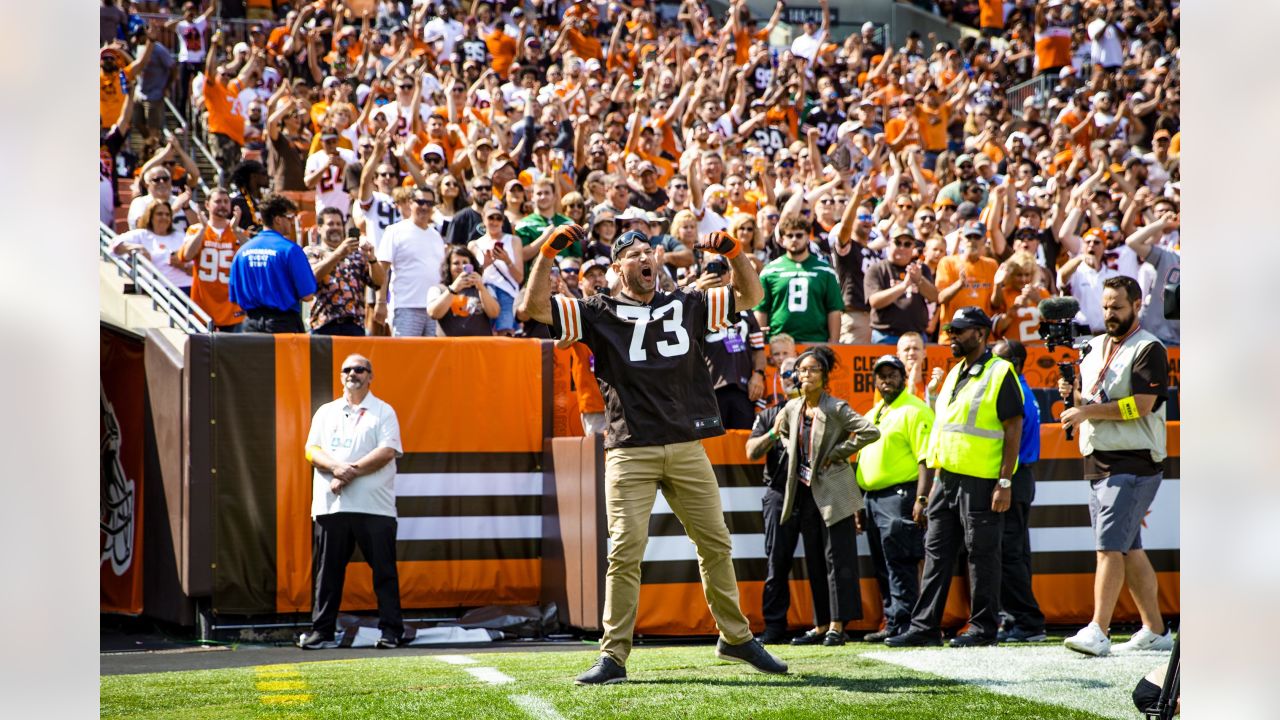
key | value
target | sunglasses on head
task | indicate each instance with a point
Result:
(356, 369)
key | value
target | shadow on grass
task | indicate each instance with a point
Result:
(918, 686)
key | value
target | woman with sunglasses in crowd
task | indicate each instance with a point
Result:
(156, 238)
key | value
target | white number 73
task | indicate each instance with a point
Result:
(674, 324)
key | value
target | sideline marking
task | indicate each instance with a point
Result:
(537, 707)
(455, 659)
(273, 679)
(490, 675)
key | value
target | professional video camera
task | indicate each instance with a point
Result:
(1058, 329)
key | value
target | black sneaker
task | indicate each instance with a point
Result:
(1021, 635)
(386, 642)
(316, 641)
(878, 636)
(772, 636)
(812, 637)
(604, 672)
(752, 653)
(914, 638)
(972, 639)
(833, 638)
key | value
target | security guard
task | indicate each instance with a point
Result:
(893, 473)
(974, 448)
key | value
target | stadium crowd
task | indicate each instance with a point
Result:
(878, 186)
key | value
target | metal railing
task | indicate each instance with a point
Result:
(1040, 88)
(198, 145)
(145, 278)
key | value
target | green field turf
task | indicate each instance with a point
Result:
(665, 682)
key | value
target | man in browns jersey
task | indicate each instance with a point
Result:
(211, 245)
(659, 404)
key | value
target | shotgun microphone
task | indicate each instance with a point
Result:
(1057, 329)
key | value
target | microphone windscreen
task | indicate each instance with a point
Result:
(1059, 308)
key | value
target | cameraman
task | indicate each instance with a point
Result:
(1120, 411)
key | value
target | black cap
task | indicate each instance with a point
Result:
(967, 210)
(890, 360)
(968, 317)
(626, 240)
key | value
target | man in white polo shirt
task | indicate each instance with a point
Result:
(413, 251)
(353, 445)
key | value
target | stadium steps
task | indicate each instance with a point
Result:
(134, 313)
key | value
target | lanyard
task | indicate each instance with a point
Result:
(1111, 355)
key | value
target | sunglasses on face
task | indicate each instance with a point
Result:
(356, 369)
(483, 188)
(793, 235)
(569, 271)
(386, 174)
(751, 228)
(497, 218)
(773, 216)
(926, 218)
(806, 211)
(787, 163)
(423, 202)
(679, 187)
(826, 201)
(574, 205)
(170, 163)
(160, 180)
(904, 243)
(865, 218)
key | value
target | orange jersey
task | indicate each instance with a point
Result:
(584, 381)
(210, 272)
(933, 127)
(979, 280)
(991, 14)
(224, 108)
(1024, 325)
(111, 94)
(585, 46)
(503, 49)
(1053, 48)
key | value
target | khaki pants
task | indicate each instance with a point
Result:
(632, 477)
(855, 327)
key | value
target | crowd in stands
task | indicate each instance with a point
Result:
(431, 148)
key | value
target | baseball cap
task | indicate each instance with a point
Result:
(482, 140)
(892, 361)
(646, 166)
(974, 229)
(942, 202)
(1096, 232)
(493, 206)
(963, 158)
(1066, 72)
(330, 82)
(900, 230)
(632, 213)
(433, 148)
(868, 25)
(847, 127)
(1161, 133)
(598, 262)
(592, 65)
(626, 240)
(968, 317)
(981, 159)
(968, 210)
(717, 189)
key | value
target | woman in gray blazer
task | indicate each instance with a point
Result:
(821, 432)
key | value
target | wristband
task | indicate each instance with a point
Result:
(309, 454)
(548, 251)
(1128, 408)
(773, 434)
(737, 248)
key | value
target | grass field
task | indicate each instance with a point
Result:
(664, 682)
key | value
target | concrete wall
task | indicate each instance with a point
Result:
(900, 17)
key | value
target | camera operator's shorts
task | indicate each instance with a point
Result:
(1117, 505)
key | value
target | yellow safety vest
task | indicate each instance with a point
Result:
(968, 437)
(905, 428)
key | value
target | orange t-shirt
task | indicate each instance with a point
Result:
(933, 127)
(209, 275)
(585, 47)
(895, 132)
(1025, 325)
(589, 398)
(503, 49)
(111, 95)
(1175, 144)
(1053, 48)
(991, 13)
(980, 279)
(224, 108)
(742, 44)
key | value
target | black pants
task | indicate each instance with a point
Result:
(843, 587)
(736, 411)
(960, 514)
(901, 548)
(274, 322)
(780, 547)
(336, 537)
(1016, 596)
(346, 326)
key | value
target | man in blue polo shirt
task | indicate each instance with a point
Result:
(1023, 621)
(270, 275)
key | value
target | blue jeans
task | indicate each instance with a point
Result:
(412, 322)
(506, 319)
(880, 338)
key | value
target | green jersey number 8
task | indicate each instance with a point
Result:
(798, 294)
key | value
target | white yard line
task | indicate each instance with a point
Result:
(1048, 673)
(455, 659)
(536, 707)
(490, 675)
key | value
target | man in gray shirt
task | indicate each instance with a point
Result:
(1161, 267)
(157, 76)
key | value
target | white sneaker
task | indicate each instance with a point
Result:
(1090, 641)
(1144, 639)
